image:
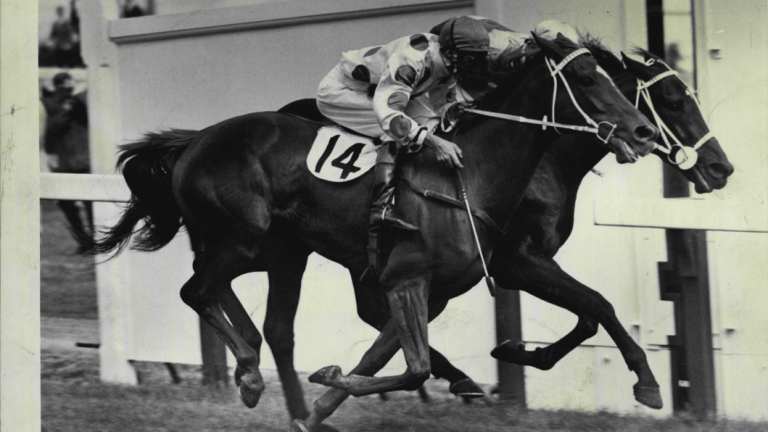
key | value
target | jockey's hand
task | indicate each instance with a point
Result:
(446, 151)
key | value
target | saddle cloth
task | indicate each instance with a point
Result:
(339, 156)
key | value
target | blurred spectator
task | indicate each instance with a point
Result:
(675, 59)
(131, 9)
(65, 142)
(62, 48)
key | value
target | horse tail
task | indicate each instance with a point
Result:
(147, 165)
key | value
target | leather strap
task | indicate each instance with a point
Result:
(453, 202)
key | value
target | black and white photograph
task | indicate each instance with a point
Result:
(383, 215)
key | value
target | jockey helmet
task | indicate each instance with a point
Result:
(464, 42)
(464, 34)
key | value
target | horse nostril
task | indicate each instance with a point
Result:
(721, 170)
(645, 133)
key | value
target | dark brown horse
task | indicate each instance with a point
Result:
(243, 192)
(544, 220)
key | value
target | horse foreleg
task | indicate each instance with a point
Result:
(409, 309)
(546, 357)
(543, 278)
(284, 290)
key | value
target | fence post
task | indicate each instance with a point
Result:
(19, 218)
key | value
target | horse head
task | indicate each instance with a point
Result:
(687, 142)
(588, 94)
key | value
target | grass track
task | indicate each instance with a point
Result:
(75, 401)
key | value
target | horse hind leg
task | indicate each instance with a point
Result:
(206, 291)
(283, 300)
(246, 379)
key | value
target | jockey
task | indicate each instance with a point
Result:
(395, 91)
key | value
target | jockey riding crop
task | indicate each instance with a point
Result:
(489, 282)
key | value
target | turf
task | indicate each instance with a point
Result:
(75, 400)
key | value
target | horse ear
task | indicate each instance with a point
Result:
(550, 49)
(562, 40)
(638, 69)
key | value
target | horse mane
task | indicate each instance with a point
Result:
(604, 56)
(511, 81)
(646, 54)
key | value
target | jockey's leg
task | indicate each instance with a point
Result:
(382, 192)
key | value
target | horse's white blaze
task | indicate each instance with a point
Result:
(340, 156)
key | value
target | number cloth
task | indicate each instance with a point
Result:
(339, 156)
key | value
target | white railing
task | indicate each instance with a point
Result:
(84, 187)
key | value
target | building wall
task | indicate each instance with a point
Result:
(734, 90)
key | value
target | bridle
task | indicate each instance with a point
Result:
(603, 130)
(683, 157)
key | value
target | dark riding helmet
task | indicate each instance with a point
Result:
(464, 34)
(464, 41)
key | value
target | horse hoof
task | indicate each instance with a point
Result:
(466, 389)
(326, 375)
(299, 426)
(424, 396)
(648, 396)
(251, 387)
(511, 352)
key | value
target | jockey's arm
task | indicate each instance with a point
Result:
(390, 101)
(393, 93)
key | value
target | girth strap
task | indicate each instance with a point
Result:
(453, 202)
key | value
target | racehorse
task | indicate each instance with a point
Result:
(243, 192)
(544, 219)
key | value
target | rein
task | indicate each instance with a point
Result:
(681, 156)
(603, 130)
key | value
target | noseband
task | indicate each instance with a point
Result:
(679, 155)
(603, 130)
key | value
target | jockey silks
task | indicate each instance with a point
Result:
(391, 91)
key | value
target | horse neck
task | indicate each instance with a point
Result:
(574, 155)
(500, 156)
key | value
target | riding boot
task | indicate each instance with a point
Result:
(380, 214)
